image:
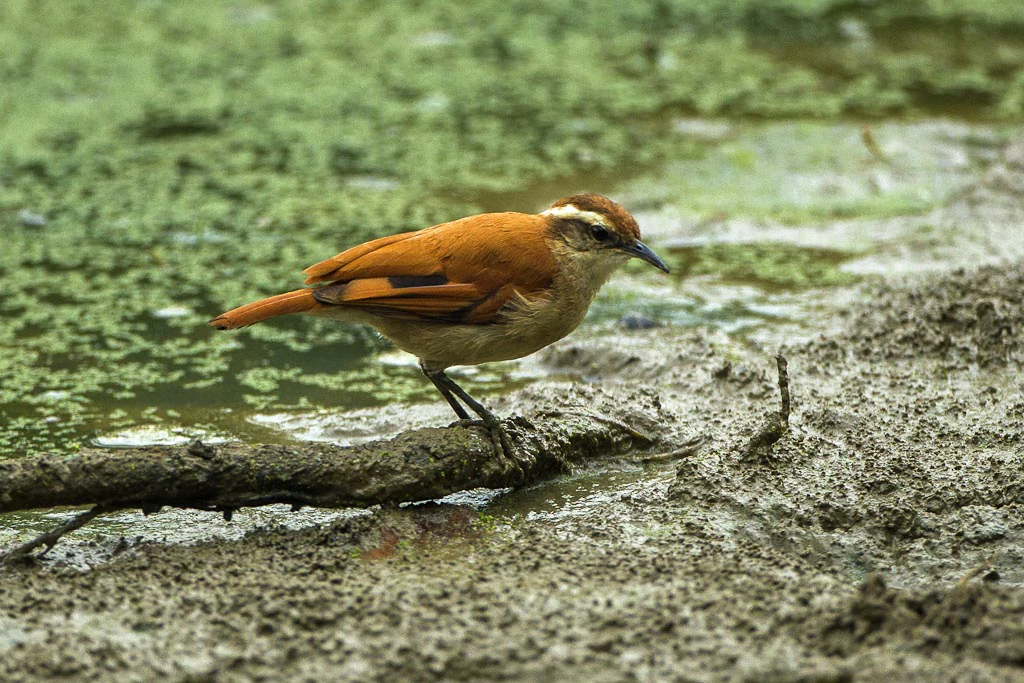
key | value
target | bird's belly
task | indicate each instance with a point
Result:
(442, 345)
(524, 327)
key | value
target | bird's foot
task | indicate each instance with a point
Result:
(506, 451)
(502, 444)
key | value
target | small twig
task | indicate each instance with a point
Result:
(603, 419)
(777, 424)
(632, 431)
(982, 567)
(783, 367)
(50, 538)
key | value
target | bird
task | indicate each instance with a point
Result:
(489, 287)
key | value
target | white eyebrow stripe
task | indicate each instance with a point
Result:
(571, 212)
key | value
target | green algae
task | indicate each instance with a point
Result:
(771, 266)
(161, 162)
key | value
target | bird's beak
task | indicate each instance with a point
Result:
(641, 251)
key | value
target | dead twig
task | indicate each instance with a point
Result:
(867, 136)
(760, 445)
(50, 538)
(640, 436)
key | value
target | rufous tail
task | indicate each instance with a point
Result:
(299, 301)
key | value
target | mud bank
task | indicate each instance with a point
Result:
(884, 535)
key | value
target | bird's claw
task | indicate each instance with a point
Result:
(503, 446)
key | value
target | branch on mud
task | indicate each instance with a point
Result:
(50, 538)
(422, 464)
(760, 445)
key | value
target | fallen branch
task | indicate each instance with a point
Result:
(417, 465)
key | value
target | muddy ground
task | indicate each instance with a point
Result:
(883, 540)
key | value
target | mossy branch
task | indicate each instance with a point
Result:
(421, 464)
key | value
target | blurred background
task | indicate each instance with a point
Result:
(161, 162)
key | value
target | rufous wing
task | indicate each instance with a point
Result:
(342, 266)
(382, 296)
(465, 271)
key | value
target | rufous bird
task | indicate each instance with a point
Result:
(490, 287)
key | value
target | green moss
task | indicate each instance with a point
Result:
(486, 523)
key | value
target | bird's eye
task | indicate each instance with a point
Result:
(599, 232)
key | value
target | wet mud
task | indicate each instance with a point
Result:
(882, 539)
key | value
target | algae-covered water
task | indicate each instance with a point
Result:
(161, 162)
(89, 362)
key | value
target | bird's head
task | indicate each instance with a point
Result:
(598, 233)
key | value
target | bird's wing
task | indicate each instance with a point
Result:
(465, 271)
(367, 260)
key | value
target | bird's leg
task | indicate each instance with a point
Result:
(450, 390)
(491, 422)
(435, 378)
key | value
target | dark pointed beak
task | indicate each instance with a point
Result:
(641, 251)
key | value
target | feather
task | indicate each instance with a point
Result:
(299, 301)
(325, 271)
(382, 297)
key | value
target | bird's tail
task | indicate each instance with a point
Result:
(299, 301)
